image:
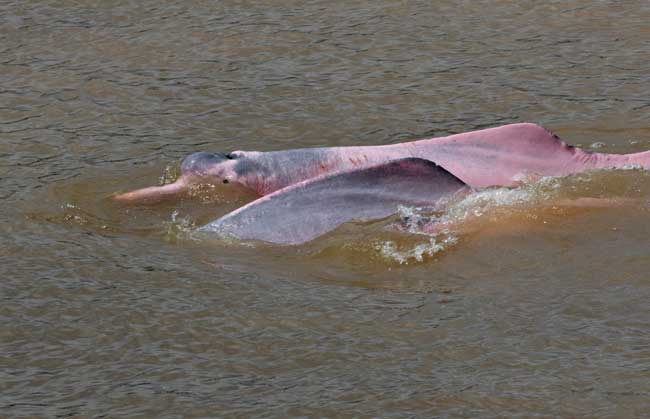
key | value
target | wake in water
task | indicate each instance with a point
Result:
(443, 229)
(417, 234)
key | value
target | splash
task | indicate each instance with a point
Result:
(632, 166)
(413, 220)
(206, 193)
(479, 203)
(178, 228)
(170, 175)
(440, 226)
(390, 251)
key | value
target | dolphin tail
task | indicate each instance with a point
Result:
(641, 160)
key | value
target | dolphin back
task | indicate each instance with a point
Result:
(301, 212)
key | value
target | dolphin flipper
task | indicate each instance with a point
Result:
(303, 211)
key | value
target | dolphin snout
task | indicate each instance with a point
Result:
(197, 165)
(202, 163)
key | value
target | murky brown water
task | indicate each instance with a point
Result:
(114, 312)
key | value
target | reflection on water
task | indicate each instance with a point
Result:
(521, 308)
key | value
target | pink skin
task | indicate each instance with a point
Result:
(502, 156)
(155, 194)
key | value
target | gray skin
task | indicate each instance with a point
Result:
(303, 211)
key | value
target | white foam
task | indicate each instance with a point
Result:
(462, 208)
(389, 250)
(479, 203)
(178, 227)
(414, 218)
(632, 166)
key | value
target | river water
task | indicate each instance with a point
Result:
(107, 311)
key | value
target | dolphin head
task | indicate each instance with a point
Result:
(213, 167)
(197, 168)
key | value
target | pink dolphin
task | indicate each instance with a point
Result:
(501, 156)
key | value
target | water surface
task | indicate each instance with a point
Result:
(116, 312)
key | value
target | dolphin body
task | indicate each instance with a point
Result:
(307, 192)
